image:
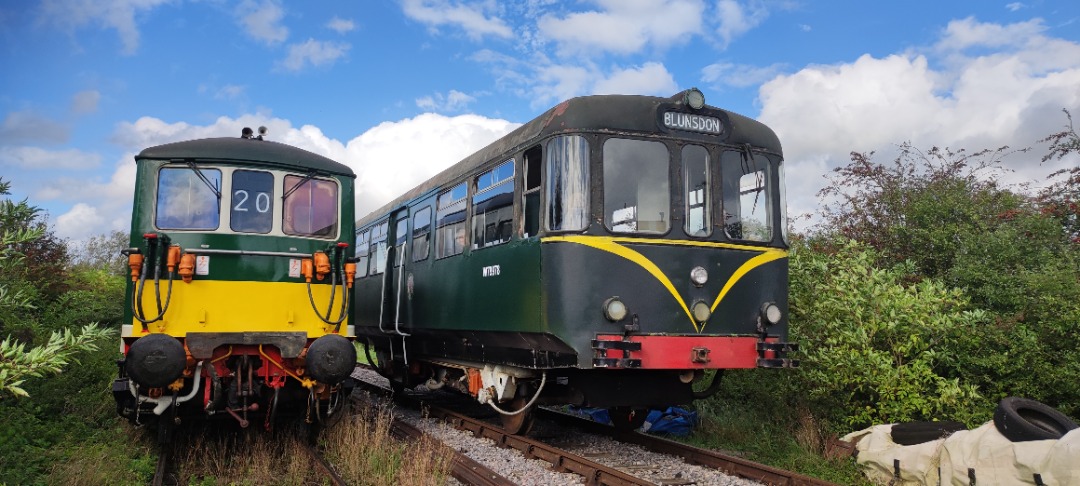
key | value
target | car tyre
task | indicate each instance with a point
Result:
(1022, 419)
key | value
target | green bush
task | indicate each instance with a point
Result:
(873, 346)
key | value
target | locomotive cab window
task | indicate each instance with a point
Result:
(530, 201)
(450, 222)
(636, 195)
(748, 189)
(695, 165)
(493, 206)
(311, 207)
(188, 198)
(252, 206)
(568, 183)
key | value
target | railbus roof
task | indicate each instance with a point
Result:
(598, 113)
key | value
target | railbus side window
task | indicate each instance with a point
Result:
(747, 196)
(493, 206)
(568, 183)
(188, 199)
(362, 241)
(531, 198)
(311, 207)
(252, 206)
(421, 232)
(377, 250)
(450, 233)
(636, 195)
(695, 165)
(401, 235)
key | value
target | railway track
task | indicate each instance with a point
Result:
(597, 472)
(320, 462)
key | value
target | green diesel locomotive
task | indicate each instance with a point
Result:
(605, 254)
(241, 273)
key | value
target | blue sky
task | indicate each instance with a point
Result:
(399, 89)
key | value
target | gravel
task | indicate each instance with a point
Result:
(662, 469)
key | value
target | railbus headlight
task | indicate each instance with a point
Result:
(699, 276)
(694, 98)
(614, 309)
(771, 313)
(701, 311)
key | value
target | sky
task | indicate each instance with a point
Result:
(401, 89)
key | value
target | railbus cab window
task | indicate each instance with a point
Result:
(311, 207)
(401, 235)
(530, 201)
(568, 183)
(362, 241)
(695, 165)
(252, 206)
(493, 206)
(748, 193)
(377, 250)
(450, 222)
(636, 196)
(188, 199)
(421, 232)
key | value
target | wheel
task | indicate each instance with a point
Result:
(627, 418)
(521, 423)
(911, 433)
(1021, 420)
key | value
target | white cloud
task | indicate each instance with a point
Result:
(738, 75)
(35, 158)
(1009, 94)
(262, 20)
(649, 79)
(473, 18)
(313, 52)
(28, 126)
(71, 15)
(85, 102)
(394, 157)
(624, 26)
(452, 101)
(340, 25)
(736, 19)
(230, 92)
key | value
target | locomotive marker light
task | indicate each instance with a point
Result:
(614, 309)
(699, 276)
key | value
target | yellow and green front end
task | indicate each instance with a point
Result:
(239, 302)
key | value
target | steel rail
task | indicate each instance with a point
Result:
(735, 466)
(320, 461)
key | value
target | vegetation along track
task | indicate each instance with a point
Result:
(594, 472)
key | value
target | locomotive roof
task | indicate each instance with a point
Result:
(229, 149)
(587, 113)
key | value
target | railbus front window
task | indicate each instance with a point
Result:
(636, 195)
(568, 183)
(450, 222)
(310, 207)
(188, 199)
(748, 189)
(493, 206)
(695, 163)
(252, 206)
